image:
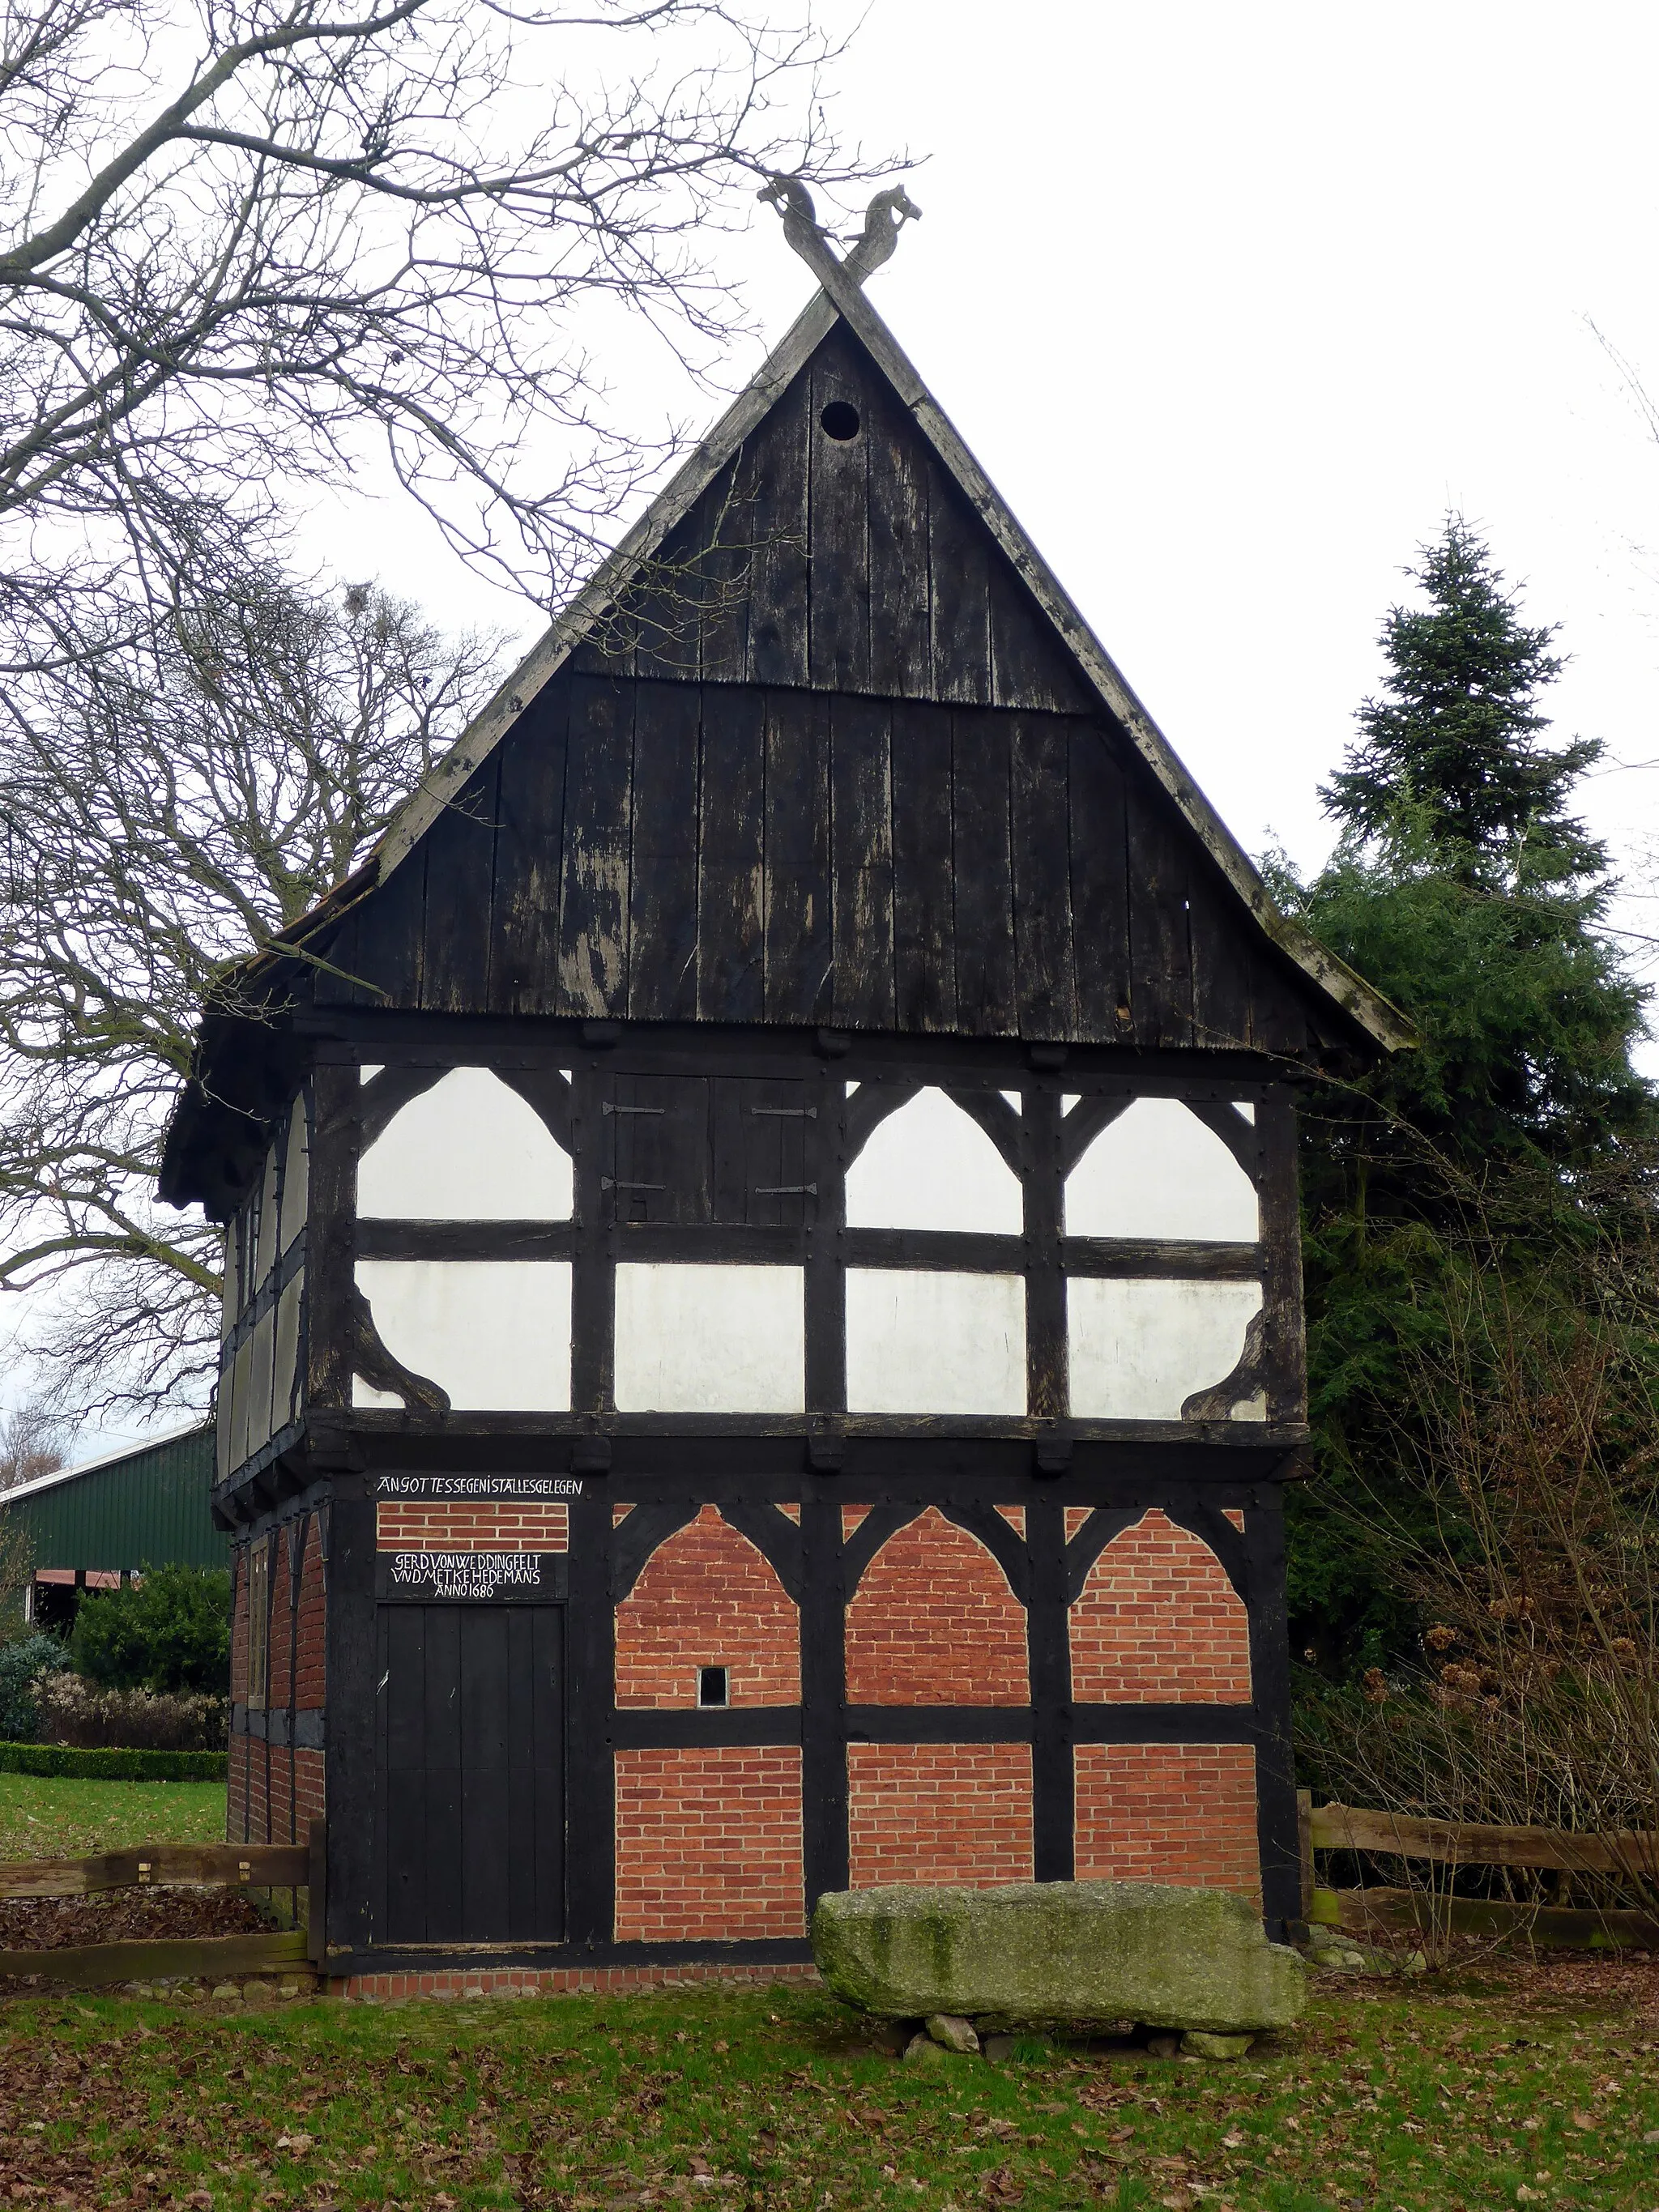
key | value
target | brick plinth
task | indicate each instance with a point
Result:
(1158, 1622)
(560, 1981)
(472, 1525)
(1182, 1812)
(709, 1844)
(707, 1598)
(938, 1813)
(935, 1623)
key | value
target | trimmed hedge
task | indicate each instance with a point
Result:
(105, 1765)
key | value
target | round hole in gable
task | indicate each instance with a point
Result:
(840, 421)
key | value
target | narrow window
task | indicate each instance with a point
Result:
(258, 1621)
(711, 1686)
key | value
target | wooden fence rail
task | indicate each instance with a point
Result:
(221, 1866)
(1460, 1843)
(215, 1866)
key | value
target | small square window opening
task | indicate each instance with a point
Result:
(712, 1687)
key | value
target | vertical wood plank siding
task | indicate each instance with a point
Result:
(670, 852)
(829, 763)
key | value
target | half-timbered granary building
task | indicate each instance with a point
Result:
(761, 1340)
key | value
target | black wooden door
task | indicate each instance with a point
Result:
(470, 1795)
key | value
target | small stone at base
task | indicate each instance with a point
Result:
(1163, 2046)
(225, 1990)
(998, 2047)
(952, 2031)
(1198, 2043)
(923, 2050)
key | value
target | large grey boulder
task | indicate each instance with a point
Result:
(1053, 1952)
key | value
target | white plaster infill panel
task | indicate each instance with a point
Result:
(1159, 1171)
(1141, 1347)
(469, 1149)
(929, 1166)
(493, 1334)
(931, 1340)
(720, 1339)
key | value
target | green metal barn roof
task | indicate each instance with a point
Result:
(144, 1507)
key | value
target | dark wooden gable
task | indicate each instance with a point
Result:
(841, 563)
(828, 763)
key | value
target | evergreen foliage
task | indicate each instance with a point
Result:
(169, 1632)
(1466, 890)
(22, 1665)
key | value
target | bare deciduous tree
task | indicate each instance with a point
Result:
(191, 792)
(245, 245)
(31, 1444)
(237, 233)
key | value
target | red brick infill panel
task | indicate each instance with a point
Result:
(1158, 1622)
(709, 1844)
(453, 1524)
(1182, 1812)
(707, 1598)
(935, 1623)
(938, 1813)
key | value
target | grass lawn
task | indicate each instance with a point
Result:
(1515, 2089)
(43, 1818)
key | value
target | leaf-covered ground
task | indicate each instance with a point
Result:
(48, 1818)
(1540, 2088)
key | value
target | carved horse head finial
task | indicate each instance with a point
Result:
(884, 219)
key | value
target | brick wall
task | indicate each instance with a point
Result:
(1158, 1622)
(310, 1795)
(709, 1844)
(310, 1684)
(281, 1646)
(275, 1791)
(472, 1525)
(239, 1624)
(707, 1598)
(935, 1623)
(938, 1811)
(1182, 1812)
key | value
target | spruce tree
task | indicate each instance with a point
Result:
(1458, 739)
(1466, 890)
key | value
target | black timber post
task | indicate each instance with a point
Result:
(590, 1780)
(822, 1700)
(352, 1725)
(1049, 1647)
(1277, 1834)
(1046, 1388)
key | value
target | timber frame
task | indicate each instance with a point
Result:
(864, 813)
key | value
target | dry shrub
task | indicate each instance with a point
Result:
(1536, 1698)
(77, 1712)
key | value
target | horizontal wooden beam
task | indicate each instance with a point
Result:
(221, 1866)
(1456, 1843)
(1551, 1927)
(202, 1958)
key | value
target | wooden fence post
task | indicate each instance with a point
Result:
(317, 1897)
(1304, 1848)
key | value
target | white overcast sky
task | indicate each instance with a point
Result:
(1234, 303)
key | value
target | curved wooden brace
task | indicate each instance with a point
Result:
(1244, 1380)
(1242, 1139)
(990, 1111)
(1079, 1129)
(637, 1535)
(367, 1355)
(869, 1107)
(388, 1093)
(979, 1521)
(1082, 1550)
(774, 1536)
